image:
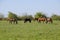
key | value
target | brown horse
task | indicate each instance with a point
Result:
(41, 19)
(46, 20)
(12, 20)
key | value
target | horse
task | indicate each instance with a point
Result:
(46, 20)
(49, 20)
(27, 19)
(42, 19)
(12, 20)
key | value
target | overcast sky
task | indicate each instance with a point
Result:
(21, 7)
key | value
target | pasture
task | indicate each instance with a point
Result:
(29, 31)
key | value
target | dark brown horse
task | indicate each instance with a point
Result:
(27, 19)
(12, 20)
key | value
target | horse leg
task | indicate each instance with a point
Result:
(30, 21)
(43, 21)
(39, 21)
(25, 21)
(13, 21)
(46, 22)
(10, 22)
(16, 22)
(51, 21)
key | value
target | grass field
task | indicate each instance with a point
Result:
(29, 31)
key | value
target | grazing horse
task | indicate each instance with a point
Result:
(41, 19)
(27, 19)
(46, 20)
(49, 20)
(12, 20)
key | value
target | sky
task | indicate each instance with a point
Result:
(30, 7)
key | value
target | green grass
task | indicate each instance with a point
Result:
(29, 31)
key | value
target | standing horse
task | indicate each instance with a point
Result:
(49, 20)
(27, 19)
(12, 20)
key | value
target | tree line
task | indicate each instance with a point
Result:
(37, 15)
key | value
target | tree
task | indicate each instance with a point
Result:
(26, 16)
(55, 17)
(39, 14)
(12, 15)
(30, 16)
(1, 15)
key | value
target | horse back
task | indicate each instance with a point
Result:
(42, 19)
